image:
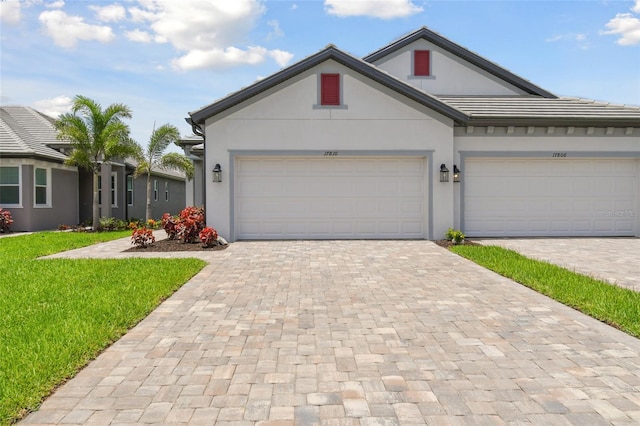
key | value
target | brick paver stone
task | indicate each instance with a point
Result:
(354, 332)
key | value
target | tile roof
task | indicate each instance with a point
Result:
(523, 110)
(26, 132)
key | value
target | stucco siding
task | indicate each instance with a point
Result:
(373, 119)
(450, 75)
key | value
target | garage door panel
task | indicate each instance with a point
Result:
(569, 197)
(330, 198)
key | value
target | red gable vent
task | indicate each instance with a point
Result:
(421, 62)
(330, 89)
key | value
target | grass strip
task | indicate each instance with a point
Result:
(616, 306)
(58, 314)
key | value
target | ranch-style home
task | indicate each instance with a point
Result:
(417, 137)
(42, 193)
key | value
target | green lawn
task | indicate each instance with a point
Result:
(606, 302)
(58, 314)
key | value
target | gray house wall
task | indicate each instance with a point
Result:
(176, 202)
(64, 196)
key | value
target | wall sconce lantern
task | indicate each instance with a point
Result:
(456, 173)
(444, 173)
(217, 173)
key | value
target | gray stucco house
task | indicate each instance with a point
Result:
(42, 193)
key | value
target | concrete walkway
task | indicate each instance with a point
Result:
(616, 260)
(355, 333)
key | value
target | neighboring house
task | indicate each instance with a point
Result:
(336, 146)
(41, 192)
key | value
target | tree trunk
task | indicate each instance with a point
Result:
(148, 213)
(96, 206)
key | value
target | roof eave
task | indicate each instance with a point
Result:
(554, 121)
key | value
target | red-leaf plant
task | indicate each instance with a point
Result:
(142, 237)
(209, 237)
(190, 224)
(5, 220)
(169, 225)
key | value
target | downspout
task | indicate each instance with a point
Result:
(197, 130)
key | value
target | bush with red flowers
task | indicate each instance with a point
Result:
(142, 237)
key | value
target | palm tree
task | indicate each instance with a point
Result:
(97, 136)
(153, 158)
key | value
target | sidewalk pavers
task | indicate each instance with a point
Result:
(355, 332)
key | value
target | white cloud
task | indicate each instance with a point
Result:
(220, 58)
(66, 30)
(10, 12)
(626, 25)
(387, 9)
(281, 57)
(111, 13)
(276, 31)
(208, 31)
(55, 4)
(139, 36)
(55, 106)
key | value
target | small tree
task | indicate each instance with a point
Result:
(97, 136)
(153, 158)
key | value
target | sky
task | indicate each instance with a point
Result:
(166, 58)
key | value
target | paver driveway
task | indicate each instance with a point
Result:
(616, 260)
(356, 332)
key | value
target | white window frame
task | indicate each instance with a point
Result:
(130, 179)
(166, 191)
(113, 193)
(47, 187)
(19, 205)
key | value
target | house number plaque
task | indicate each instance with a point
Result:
(559, 154)
(331, 153)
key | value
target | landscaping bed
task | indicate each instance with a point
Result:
(167, 245)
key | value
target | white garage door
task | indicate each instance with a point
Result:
(330, 198)
(545, 197)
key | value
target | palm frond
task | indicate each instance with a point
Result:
(175, 161)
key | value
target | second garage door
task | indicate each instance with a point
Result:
(330, 198)
(550, 197)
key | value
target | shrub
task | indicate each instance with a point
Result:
(142, 237)
(5, 220)
(209, 237)
(455, 236)
(112, 224)
(169, 225)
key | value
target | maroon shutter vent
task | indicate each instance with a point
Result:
(421, 62)
(330, 89)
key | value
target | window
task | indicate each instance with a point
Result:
(99, 189)
(129, 190)
(330, 89)
(41, 187)
(422, 63)
(10, 186)
(166, 191)
(114, 189)
(155, 190)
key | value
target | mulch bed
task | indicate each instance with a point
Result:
(167, 245)
(449, 243)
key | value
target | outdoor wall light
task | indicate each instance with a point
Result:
(456, 173)
(444, 173)
(217, 173)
